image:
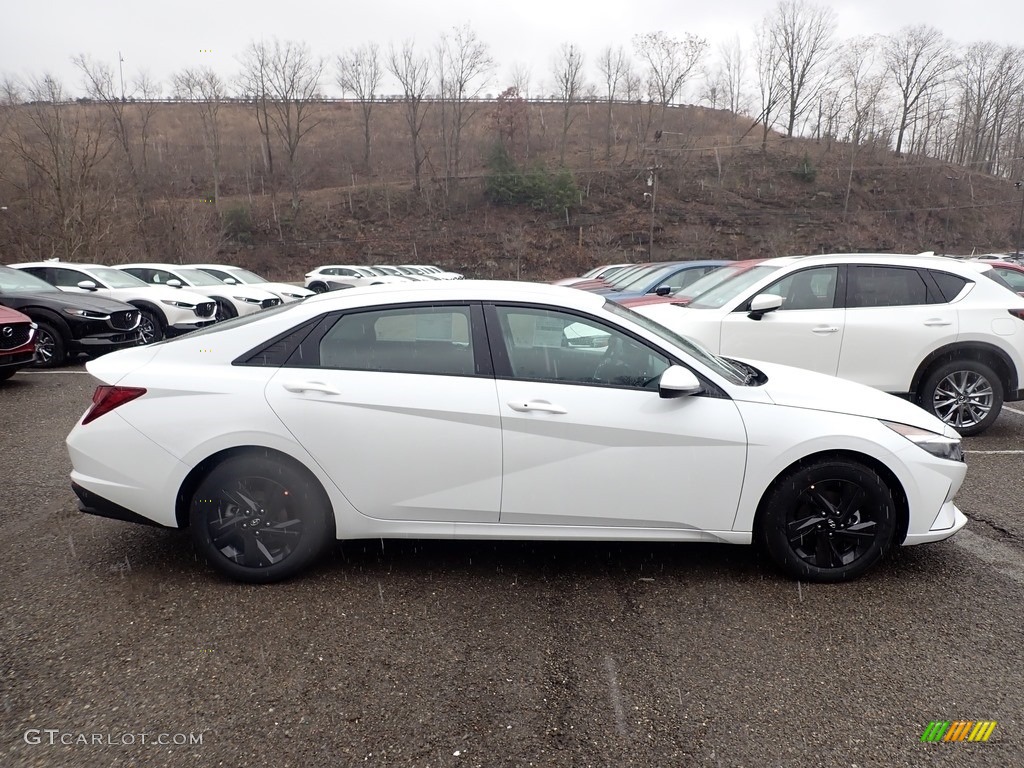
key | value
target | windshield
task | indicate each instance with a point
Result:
(710, 280)
(245, 276)
(695, 350)
(197, 276)
(642, 281)
(725, 291)
(16, 280)
(115, 278)
(628, 275)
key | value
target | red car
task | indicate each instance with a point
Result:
(706, 283)
(17, 341)
(1011, 271)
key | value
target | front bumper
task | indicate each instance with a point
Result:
(949, 520)
(106, 342)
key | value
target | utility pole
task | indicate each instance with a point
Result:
(949, 213)
(652, 182)
(120, 64)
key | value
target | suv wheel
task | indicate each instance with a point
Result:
(965, 394)
(50, 347)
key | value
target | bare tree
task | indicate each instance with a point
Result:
(862, 75)
(733, 71)
(413, 73)
(803, 34)
(521, 75)
(286, 77)
(989, 80)
(205, 88)
(771, 86)
(613, 65)
(360, 73)
(463, 65)
(254, 85)
(670, 63)
(568, 72)
(61, 151)
(918, 59)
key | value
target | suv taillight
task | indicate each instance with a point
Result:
(1018, 313)
(107, 398)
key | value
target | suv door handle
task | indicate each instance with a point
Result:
(824, 329)
(309, 386)
(542, 406)
(937, 321)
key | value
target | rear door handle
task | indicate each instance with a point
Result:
(825, 329)
(937, 321)
(542, 406)
(310, 386)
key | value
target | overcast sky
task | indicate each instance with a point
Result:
(39, 36)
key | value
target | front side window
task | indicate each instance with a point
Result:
(874, 285)
(67, 278)
(550, 345)
(807, 289)
(427, 340)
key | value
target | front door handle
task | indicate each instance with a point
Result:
(825, 329)
(937, 321)
(542, 406)
(310, 386)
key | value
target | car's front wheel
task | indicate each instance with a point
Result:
(224, 311)
(828, 521)
(318, 287)
(151, 330)
(965, 394)
(51, 350)
(259, 518)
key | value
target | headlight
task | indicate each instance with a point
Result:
(181, 304)
(247, 300)
(86, 313)
(937, 445)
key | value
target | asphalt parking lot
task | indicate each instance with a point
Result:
(482, 654)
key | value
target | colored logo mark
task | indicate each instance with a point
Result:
(958, 730)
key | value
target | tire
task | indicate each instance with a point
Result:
(318, 287)
(51, 349)
(151, 328)
(828, 521)
(965, 394)
(260, 519)
(5, 375)
(224, 311)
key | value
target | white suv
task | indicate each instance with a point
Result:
(163, 311)
(231, 300)
(238, 276)
(337, 276)
(947, 335)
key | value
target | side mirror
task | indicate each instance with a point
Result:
(174, 282)
(230, 281)
(762, 304)
(678, 381)
(87, 285)
(663, 290)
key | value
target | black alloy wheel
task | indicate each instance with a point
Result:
(260, 519)
(50, 348)
(828, 521)
(965, 394)
(318, 287)
(224, 311)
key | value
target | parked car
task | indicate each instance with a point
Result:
(17, 342)
(664, 281)
(597, 273)
(687, 293)
(407, 273)
(1010, 271)
(68, 325)
(238, 276)
(504, 431)
(619, 277)
(925, 327)
(432, 271)
(231, 300)
(334, 277)
(163, 311)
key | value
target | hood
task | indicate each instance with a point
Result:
(13, 316)
(235, 290)
(297, 290)
(156, 293)
(56, 299)
(797, 388)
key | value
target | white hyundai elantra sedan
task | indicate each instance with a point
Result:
(268, 436)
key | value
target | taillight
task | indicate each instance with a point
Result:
(107, 398)
(1018, 313)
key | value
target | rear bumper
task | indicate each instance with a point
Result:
(93, 504)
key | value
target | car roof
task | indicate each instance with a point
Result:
(73, 264)
(885, 259)
(470, 290)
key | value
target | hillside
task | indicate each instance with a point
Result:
(717, 194)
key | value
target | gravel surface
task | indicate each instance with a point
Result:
(418, 653)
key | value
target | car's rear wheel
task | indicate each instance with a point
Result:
(151, 329)
(259, 519)
(51, 350)
(828, 521)
(965, 394)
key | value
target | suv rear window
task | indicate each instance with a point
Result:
(950, 285)
(881, 286)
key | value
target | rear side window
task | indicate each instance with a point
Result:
(881, 286)
(949, 285)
